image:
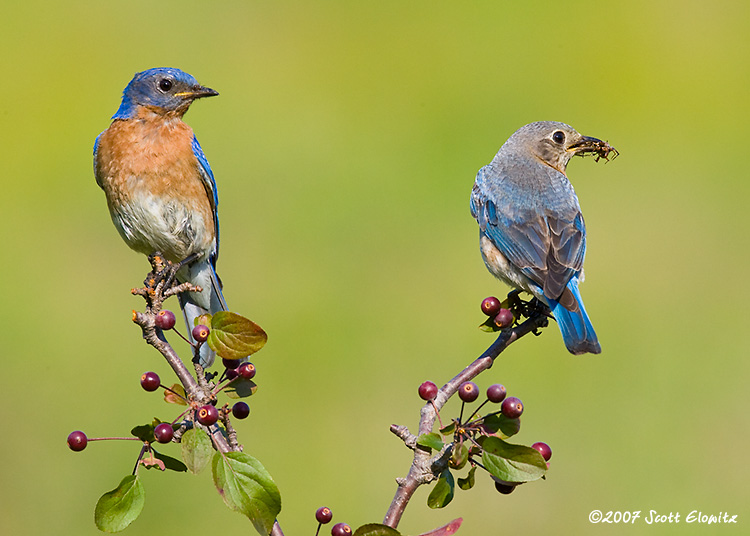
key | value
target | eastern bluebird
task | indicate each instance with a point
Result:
(159, 186)
(531, 229)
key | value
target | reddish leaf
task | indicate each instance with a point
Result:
(445, 530)
(172, 398)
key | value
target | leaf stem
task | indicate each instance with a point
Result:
(437, 412)
(138, 460)
(220, 387)
(477, 410)
(113, 439)
(183, 337)
(178, 395)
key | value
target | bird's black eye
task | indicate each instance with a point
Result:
(165, 84)
(558, 136)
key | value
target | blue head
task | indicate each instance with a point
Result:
(163, 90)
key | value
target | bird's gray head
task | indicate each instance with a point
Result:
(554, 143)
(163, 90)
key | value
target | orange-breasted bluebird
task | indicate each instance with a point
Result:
(531, 229)
(159, 186)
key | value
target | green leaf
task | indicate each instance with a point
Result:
(173, 464)
(442, 493)
(233, 336)
(468, 482)
(376, 529)
(449, 429)
(431, 440)
(197, 450)
(118, 508)
(512, 463)
(459, 456)
(240, 388)
(144, 432)
(498, 422)
(446, 530)
(246, 487)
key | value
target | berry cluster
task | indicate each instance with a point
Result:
(234, 368)
(501, 316)
(206, 414)
(323, 515)
(205, 424)
(510, 407)
(165, 320)
(471, 435)
(511, 311)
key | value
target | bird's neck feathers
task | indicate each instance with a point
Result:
(557, 165)
(130, 110)
(149, 126)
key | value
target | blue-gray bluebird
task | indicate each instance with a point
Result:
(531, 230)
(159, 186)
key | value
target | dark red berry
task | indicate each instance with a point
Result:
(77, 441)
(164, 319)
(428, 391)
(504, 318)
(246, 370)
(150, 381)
(231, 373)
(496, 393)
(543, 449)
(341, 529)
(512, 407)
(505, 489)
(241, 410)
(468, 391)
(208, 414)
(490, 306)
(163, 432)
(230, 363)
(200, 333)
(323, 515)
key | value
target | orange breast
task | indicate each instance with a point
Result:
(148, 172)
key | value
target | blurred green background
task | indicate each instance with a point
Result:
(345, 143)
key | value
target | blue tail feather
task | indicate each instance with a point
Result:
(576, 328)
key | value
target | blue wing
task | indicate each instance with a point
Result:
(207, 176)
(96, 147)
(546, 245)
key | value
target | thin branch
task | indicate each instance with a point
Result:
(158, 286)
(231, 432)
(156, 339)
(200, 373)
(220, 441)
(424, 468)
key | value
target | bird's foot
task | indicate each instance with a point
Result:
(161, 281)
(526, 308)
(172, 269)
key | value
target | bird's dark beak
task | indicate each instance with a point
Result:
(587, 145)
(197, 92)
